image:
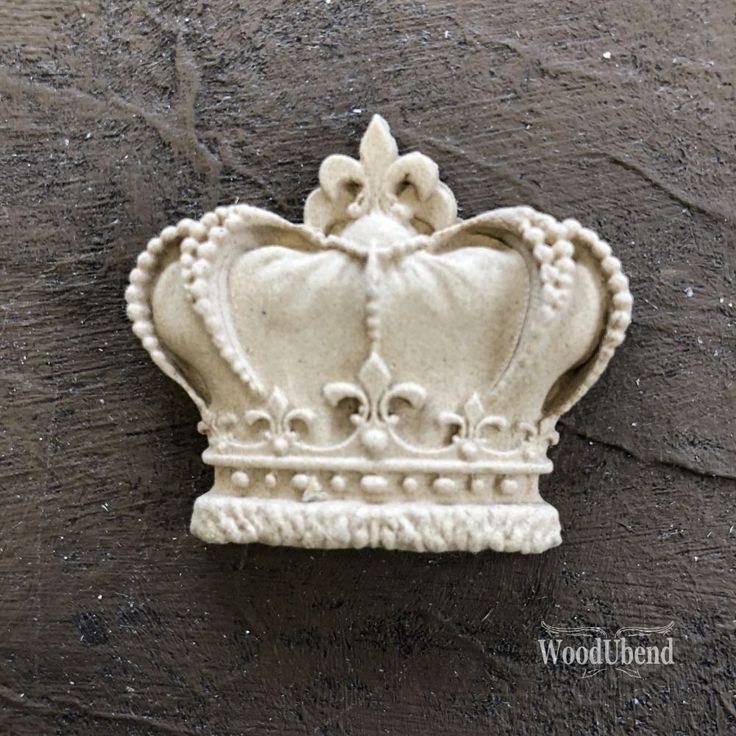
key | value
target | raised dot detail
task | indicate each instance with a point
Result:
(509, 486)
(155, 246)
(611, 264)
(535, 235)
(373, 483)
(338, 483)
(618, 282)
(234, 222)
(137, 276)
(168, 234)
(207, 250)
(201, 268)
(240, 479)
(146, 260)
(410, 485)
(572, 226)
(199, 288)
(138, 312)
(134, 294)
(600, 248)
(142, 329)
(623, 300)
(218, 234)
(543, 253)
(374, 440)
(469, 450)
(280, 444)
(444, 485)
(300, 481)
(564, 248)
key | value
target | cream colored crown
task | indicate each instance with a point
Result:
(384, 374)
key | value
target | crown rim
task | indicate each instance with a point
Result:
(529, 528)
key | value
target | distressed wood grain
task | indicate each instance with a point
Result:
(118, 118)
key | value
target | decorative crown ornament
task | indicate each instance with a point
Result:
(385, 374)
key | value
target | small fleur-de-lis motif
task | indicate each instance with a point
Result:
(470, 425)
(375, 397)
(219, 425)
(280, 421)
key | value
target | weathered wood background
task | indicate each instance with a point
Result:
(117, 119)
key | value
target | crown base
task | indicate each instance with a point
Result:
(417, 526)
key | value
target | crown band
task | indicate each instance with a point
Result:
(389, 465)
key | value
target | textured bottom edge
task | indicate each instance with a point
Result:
(414, 526)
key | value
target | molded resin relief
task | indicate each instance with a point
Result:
(385, 374)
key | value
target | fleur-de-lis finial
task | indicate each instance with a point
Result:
(406, 188)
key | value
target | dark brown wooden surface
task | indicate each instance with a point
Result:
(117, 119)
